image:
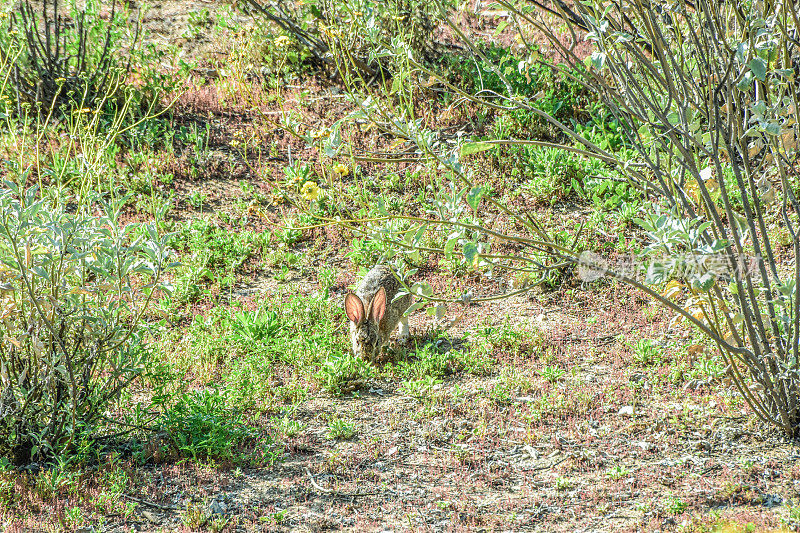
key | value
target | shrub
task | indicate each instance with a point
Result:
(343, 36)
(75, 285)
(65, 62)
(705, 99)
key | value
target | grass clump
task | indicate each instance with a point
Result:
(203, 426)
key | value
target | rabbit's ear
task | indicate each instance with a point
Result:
(377, 307)
(354, 308)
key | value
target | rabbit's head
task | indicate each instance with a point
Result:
(365, 331)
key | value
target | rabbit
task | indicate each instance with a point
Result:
(373, 312)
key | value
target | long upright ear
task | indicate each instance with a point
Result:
(377, 307)
(354, 308)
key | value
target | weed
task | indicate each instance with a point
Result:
(197, 199)
(202, 426)
(249, 382)
(552, 374)
(420, 388)
(288, 427)
(198, 21)
(627, 212)
(607, 194)
(343, 373)
(253, 329)
(74, 517)
(548, 174)
(364, 252)
(341, 429)
(712, 367)
(509, 384)
(647, 353)
(194, 516)
(217, 524)
(674, 505)
(618, 472)
(278, 517)
(289, 234)
(427, 360)
(554, 93)
(327, 277)
(211, 253)
(563, 484)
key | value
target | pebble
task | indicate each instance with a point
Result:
(703, 445)
(218, 507)
(151, 517)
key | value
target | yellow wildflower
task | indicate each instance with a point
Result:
(319, 134)
(282, 41)
(60, 80)
(310, 191)
(254, 209)
(277, 199)
(234, 143)
(3, 15)
(341, 169)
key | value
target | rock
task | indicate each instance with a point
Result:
(703, 445)
(626, 411)
(151, 517)
(218, 506)
(531, 452)
(646, 446)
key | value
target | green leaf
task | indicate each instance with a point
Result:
(42, 273)
(759, 68)
(474, 148)
(746, 81)
(644, 224)
(474, 196)
(450, 245)
(598, 60)
(704, 282)
(415, 306)
(470, 252)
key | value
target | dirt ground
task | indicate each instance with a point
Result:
(607, 447)
(608, 453)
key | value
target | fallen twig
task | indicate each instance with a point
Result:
(315, 485)
(151, 504)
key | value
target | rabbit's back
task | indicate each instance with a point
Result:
(379, 276)
(382, 276)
